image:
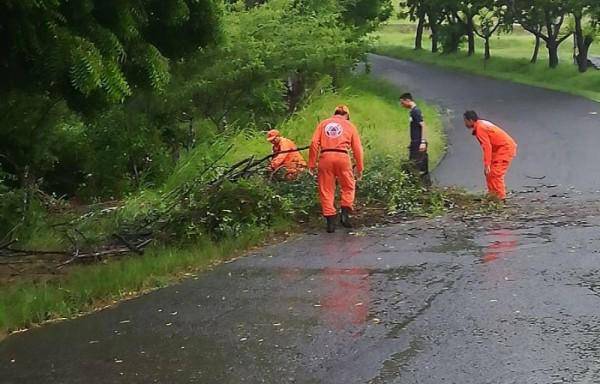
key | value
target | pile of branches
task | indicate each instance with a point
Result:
(134, 237)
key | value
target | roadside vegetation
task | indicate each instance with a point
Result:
(117, 140)
(239, 215)
(509, 40)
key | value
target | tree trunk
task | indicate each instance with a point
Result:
(582, 56)
(419, 36)
(434, 39)
(536, 49)
(488, 54)
(470, 35)
(582, 45)
(552, 53)
(295, 90)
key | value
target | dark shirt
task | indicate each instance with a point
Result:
(416, 130)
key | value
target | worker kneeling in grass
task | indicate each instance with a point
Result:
(499, 149)
(287, 156)
(331, 143)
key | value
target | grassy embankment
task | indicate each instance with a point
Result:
(81, 289)
(510, 60)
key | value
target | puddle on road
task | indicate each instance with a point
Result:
(503, 243)
(458, 242)
(393, 367)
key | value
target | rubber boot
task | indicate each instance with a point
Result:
(345, 217)
(330, 223)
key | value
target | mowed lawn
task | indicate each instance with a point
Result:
(511, 54)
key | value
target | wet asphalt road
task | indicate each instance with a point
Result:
(505, 298)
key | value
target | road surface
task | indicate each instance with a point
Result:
(508, 298)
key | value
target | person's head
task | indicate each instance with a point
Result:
(407, 101)
(342, 111)
(470, 119)
(273, 136)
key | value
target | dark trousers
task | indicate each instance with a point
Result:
(420, 161)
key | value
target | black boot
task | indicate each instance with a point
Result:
(345, 219)
(330, 223)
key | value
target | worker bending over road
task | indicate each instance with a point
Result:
(499, 149)
(330, 146)
(291, 159)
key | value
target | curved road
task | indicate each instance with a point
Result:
(513, 298)
(558, 134)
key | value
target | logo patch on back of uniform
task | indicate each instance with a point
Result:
(334, 130)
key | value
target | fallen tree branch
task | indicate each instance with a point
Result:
(144, 230)
(7, 244)
(98, 255)
(11, 252)
(129, 245)
(535, 178)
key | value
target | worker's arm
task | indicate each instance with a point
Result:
(486, 147)
(315, 145)
(357, 151)
(423, 146)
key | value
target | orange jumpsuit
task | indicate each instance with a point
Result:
(331, 144)
(499, 149)
(293, 162)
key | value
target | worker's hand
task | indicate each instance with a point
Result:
(423, 147)
(312, 171)
(359, 176)
(487, 170)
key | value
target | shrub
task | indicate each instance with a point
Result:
(228, 210)
(452, 37)
(389, 181)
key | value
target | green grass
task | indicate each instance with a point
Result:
(89, 287)
(374, 109)
(384, 128)
(510, 60)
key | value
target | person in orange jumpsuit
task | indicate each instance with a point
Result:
(292, 160)
(499, 149)
(330, 146)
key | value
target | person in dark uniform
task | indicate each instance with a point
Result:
(418, 139)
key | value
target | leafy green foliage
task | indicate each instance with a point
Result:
(35, 129)
(130, 153)
(452, 37)
(366, 14)
(272, 52)
(391, 182)
(101, 45)
(67, 65)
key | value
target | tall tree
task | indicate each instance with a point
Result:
(492, 15)
(427, 13)
(551, 15)
(366, 15)
(416, 11)
(538, 41)
(463, 12)
(436, 13)
(585, 17)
